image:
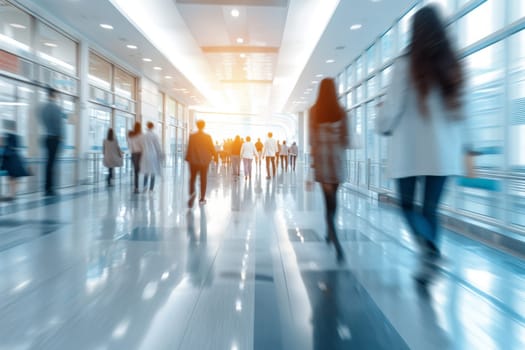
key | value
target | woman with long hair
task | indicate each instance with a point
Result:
(328, 140)
(136, 147)
(112, 154)
(423, 113)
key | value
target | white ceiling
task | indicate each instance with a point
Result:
(285, 44)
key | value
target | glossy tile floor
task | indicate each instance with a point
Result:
(99, 268)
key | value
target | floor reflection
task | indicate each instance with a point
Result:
(344, 315)
(198, 262)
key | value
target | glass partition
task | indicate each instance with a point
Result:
(387, 46)
(15, 29)
(56, 50)
(99, 72)
(124, 84)
(480, 22)
(99, 123)
(517, 10)
(349, 77)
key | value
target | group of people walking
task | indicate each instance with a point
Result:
(246, 151)
(146, 155)
(422, 114)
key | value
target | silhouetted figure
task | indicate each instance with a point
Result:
(423, 113)
(199, 154)
(283, 154)
(259, 148)
(293, 152)
(52, 117)
(328, 140)
(269, 152)
(112, 154)
(236, 156)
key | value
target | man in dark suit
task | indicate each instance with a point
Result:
(199, 154)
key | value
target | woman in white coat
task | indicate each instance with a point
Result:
(151, 157)
(423, 113)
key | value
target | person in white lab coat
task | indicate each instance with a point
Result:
(423, 114)
(150, 164)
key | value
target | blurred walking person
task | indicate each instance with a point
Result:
(136, 147)
(328, 140)
(199, 154)
(112, 155)
(293, 151)
(269, 151)
(12, 161)
(236, 156)
(150, 163)
(248, 152)
(283, 154)
(52, 117)
(423, 113)
(259, 147)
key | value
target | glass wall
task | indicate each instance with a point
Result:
(112, 97)
(15, 30)
(495, 106)
(34, 55)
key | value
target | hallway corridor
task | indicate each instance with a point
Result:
(99, 268)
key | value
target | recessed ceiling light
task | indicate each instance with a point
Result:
(330, 61)
(315, 82)
(147, 59)
(168, 77)
(133, 47)
(242, 55)
(185, 92)
(240, 40)
(157, 68)
(319, 76)
(235, 13)
(18, 26)
(356, 26)
(50, 44)
(106, 26)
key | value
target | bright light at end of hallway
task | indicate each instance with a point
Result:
(235, 13)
